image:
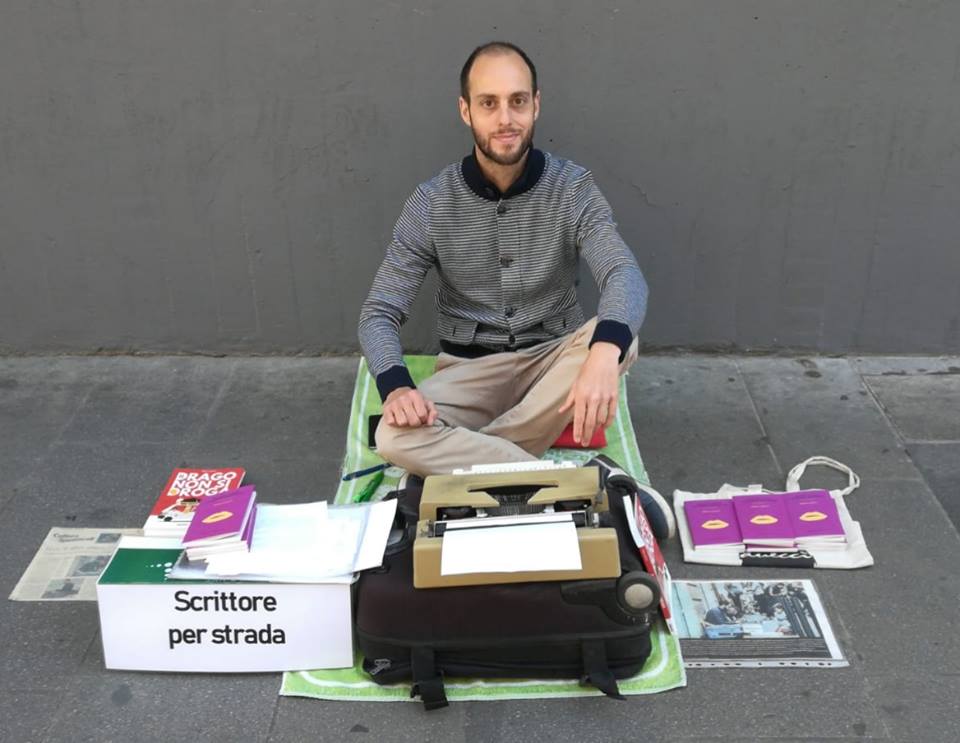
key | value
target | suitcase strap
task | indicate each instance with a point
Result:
(427, 681)
(597, 670)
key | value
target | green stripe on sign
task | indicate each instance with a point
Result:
(139, 566)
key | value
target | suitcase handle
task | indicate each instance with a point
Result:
(596, 669)
(404, 527)
(427, 681)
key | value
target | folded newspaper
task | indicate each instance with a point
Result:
(851, 554)
(67, 565)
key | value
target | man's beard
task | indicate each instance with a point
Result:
(512, 159)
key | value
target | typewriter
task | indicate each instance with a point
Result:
(503, 497)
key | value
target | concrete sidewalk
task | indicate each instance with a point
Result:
(89, 441)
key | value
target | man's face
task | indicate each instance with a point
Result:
(502, 108)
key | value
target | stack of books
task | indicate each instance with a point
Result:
(182, 495)
(806, 519)
(222, 524)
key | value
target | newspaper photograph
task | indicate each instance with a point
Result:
(68, 564)
(753, 624)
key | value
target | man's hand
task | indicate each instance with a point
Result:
(594, 393)
(405, 406)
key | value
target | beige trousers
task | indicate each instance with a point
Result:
(496, 408)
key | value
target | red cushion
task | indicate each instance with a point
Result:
(566, 441)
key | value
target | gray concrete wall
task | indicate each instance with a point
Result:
(181, 175)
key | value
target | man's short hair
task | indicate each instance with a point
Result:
(493, 47)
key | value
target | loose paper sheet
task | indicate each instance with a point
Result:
(510, 549)
(308, 542)
(284, 539)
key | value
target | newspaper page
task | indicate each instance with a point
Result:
(753, 624)
(68, 564)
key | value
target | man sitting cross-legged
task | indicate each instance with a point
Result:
(504, 228)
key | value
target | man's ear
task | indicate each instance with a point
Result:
(536, 106)
(464, 110)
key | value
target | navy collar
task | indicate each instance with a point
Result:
(532, 170)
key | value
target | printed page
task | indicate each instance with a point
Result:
(737, 623)
(510, 549)
(310, 542)
(286, 541)
(68, 564)
(375, 534)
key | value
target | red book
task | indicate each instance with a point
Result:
(186, 488)
(598, 441)
(650, 555)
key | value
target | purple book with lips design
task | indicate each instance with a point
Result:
(814, 516)
(223, 517)
(764, 520)
(713, 523)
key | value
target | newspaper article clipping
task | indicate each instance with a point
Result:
(753, 624)
(67, 565)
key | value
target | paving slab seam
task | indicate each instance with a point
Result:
(58, 437)
(897, 433)
(780, 738)
(759, 419)
(905, 443)
(900, 676)
(6, 499)
(931, 442)
(83, 443)
(936, 502)
(91, 644)
(216, 403)
(47, 734)
(871, 692)
(273, 718)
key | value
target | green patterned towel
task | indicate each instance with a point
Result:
(663, 671)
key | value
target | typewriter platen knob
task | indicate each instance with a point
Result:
(638, 592)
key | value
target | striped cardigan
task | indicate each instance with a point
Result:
(507, 265)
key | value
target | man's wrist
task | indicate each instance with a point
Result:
(395, 393)
(605, 350)
(612, 331)
(393, 378)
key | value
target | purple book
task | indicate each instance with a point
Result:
(221, 517)
(247, 536)
(764, 519)
(712, 522)
(814, 516)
